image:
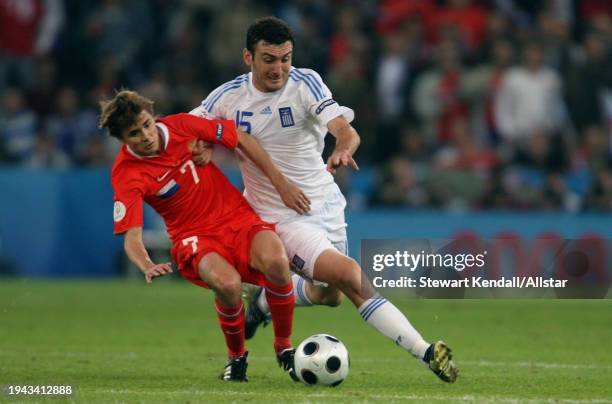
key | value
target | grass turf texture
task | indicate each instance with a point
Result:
(129, 342)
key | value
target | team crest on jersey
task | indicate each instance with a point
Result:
(266, 111)
(119, 211)
(286, 117)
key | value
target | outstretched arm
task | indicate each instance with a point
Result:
(347, 142)
(137, 253)
(292, 196)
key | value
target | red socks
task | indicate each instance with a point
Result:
(231, 320)
(280, 299)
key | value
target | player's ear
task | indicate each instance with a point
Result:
(247, 57)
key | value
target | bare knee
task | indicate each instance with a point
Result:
(343, 273)
(326, 296)
(276, 268)
(269, 257)
(333, 298)
(229, 289)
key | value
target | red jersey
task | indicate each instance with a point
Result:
(191, 199)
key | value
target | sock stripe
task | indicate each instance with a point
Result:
(229, 315)
(301, 291)
(368, 304)
(298, 288)
(372, 308)
(380, 303)
(281, 295)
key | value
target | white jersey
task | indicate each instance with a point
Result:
(290, 124)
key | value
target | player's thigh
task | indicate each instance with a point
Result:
(307, 237)
(268, 256)
(303, 241)
(220, 275)
(344, 273)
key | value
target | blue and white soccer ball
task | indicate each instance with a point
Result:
(321, 360)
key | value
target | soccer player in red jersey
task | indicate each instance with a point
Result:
(217, 239)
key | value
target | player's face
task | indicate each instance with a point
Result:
(270, 65)
(143, 137)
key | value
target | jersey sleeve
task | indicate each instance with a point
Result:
(318, 98)
(215, 106)
(218, 131)
(202, 112)
(128, 200)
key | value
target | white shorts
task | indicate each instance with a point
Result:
(305, 237)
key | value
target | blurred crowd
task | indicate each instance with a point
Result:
(461, 104)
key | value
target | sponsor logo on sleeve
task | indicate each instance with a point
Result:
(324, 105)
(219, 131)
(119, 211)
(286, 117)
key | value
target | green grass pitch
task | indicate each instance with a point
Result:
(125, 341)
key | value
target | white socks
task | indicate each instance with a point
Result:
(299, 290)
(377, 311)
(388, 320)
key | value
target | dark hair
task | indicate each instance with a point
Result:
(121, 112)
(268, 29)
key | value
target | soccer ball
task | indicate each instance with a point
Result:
(321, 359)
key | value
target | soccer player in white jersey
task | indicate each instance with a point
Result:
(289, 111)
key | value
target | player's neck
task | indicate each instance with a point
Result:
(263, 90)
(259, 87)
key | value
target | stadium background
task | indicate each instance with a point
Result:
(454, 130)
(443, 153)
